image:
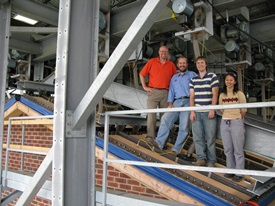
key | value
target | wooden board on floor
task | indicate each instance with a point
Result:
(192, 173)
(247, 183)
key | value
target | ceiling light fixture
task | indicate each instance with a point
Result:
(25, 19)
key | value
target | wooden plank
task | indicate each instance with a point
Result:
(19, 108)
(169, 145)
(152, 183)
(27, 110)
(28, 148)
(248, 180)
(12, 111)
(31, 122)
(272, 203)
(201, 177)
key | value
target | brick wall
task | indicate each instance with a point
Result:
(35, 135)
(40, 136)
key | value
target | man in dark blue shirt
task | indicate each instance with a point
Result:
(178, 96)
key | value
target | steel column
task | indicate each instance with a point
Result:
(5, 13)
(59, 105)
(74, 153)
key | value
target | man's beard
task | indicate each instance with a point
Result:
(183, 70)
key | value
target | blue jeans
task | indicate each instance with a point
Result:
(168, 120)
(204, 136)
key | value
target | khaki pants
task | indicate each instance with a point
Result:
(156, 99)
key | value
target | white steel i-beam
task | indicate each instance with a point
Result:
(76, 68)
(5, 13)
(39, 30)
(119, 57)
(59, 106)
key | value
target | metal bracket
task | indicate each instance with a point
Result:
(69, 130)
(262, 184)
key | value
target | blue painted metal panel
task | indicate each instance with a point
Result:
(267, 199)
(10, 103)
(28, 103)
(179, 184)
(35, 106)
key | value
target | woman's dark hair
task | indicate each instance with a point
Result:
(236, 86)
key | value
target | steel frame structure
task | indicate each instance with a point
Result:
(73, 153)
(5, 12)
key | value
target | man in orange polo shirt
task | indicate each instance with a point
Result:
(160, 71)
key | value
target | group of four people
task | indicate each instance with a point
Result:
(167, 88)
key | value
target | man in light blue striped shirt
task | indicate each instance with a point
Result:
(204, 90)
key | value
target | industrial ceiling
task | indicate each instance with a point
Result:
(261, 12)
(40, 39)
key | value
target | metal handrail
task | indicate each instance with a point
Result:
(106, 160)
